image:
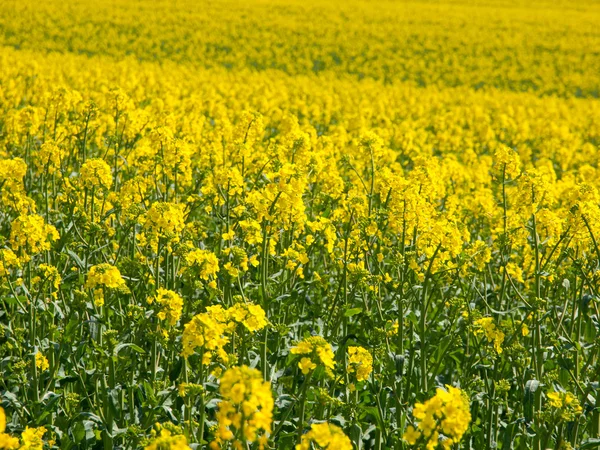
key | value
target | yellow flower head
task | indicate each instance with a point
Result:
(360, 362)
(247, 405)
(318, 351)
(31, 234)
(252, 316)
(447, 413)
(326, 436)
(171, 305)
(41, 361)
(96, 173)
(167, 437)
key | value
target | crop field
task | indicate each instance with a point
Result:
(300, 224)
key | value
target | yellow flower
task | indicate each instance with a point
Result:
(6, 440)
(207, 331)
(493, 334)
(447, 413)
(306, 365)
(171, 305)
(41, 361)
(252, 316)
(32, 438)
(566, 404)
(326, 436)
(361, 362)
(204, 262)
(508, 161)
(96, 173)
(318, 349)
(167, 438)
(164, 221)
(411, 435)
(104, 276)
(247, 407)
(8, 260)
(49, 157)
(31, 234)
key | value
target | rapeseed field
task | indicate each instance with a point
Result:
(285, 224)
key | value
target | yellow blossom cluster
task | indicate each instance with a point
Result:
(31, 438)
(103, 276)
(565, 403)
(446, 414)
(325, 435)
(317, 351)
(246, 409)
(167, 438)
(29, 235)
(170, 304)
(492, 333)
(360, 361)
(358, 199)
(6, 440)
(209, 330)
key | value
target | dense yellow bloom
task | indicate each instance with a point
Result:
(31, 234)
(206, 331)
(170, 303)
(49, 157)
(8, 260)
(245, 413)
(566, 404)
(319, 352)
(325, 435)
(492, 333)
(447, 413)
(104, 276)
(164, 221)
(508, 161)
(252, 316)
(41, 361)
(203, 262)
(96, 173)
(345, 164)
(6, 440)
(209, 331)
(360, 362)
(32, 438)
(167, 440)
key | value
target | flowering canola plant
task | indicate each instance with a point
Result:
(299, 224)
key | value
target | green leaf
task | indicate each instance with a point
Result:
(590, 443)
(352, 312)
(133, 347)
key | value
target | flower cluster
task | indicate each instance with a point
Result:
(167, 437)
(95, 173)
(356, 200)
(246, 409)
(209, 331)
(487, 327)
(565, 404)
(446, 414)
(325, 435)
(30, 235)
(360, 361)
(318, 351)
(6, 440)
(104, 276)
(170, 304)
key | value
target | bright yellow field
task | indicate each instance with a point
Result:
(299, 224)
